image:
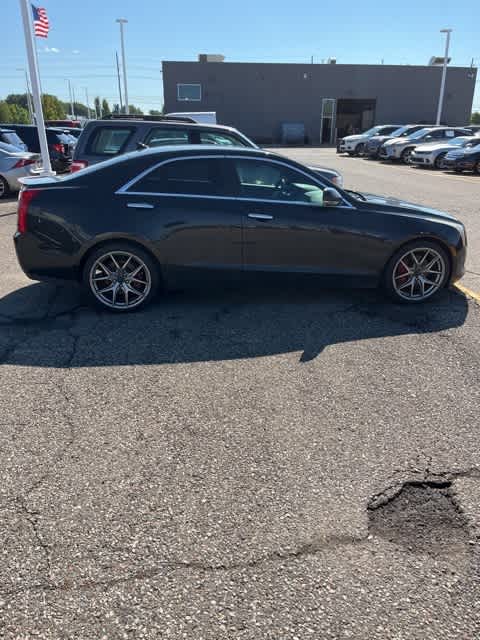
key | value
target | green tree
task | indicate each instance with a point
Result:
(5, 113)
(97, 107)
(156, 112)
(17, 98)
(116, 108)
(476, 117)
(105, 107)
(18, 114)
(53, 108)
(133, 110)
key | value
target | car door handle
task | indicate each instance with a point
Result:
(139, 205)
(260, 216)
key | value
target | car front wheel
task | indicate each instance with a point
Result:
(121, 277)
(416, 272)
(440, 161)
(406, 153)
(360, 149)
(4, 189)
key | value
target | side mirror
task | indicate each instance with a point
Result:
(141, 145)
(428, 138)
(331, 197)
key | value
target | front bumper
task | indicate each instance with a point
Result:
(424, 161)
(460, 164)
(458, 265)
(389, 153)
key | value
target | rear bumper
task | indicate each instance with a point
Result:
(39, 264)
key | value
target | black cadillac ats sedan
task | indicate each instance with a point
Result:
(167, 216)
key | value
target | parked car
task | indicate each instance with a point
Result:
(402, 149)
(465, 159)
(102, 139)
(176, 214)
(474, 128)
(9, 136)
(60, 144)
(355, 145)
(374, 144)
(433, 154)
(15, 163)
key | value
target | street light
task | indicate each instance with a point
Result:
(121, 22)
(444, 74)
(29, 96)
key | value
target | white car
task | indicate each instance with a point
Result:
(402, 148)
(355, 145)
(15, 164)
(433, 154)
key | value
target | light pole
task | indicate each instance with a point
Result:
(120, 105)
(29, 96)
(444, 75)
(72, 114)
(122, 21)
(88, 106)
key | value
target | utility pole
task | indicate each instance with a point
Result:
(120, 104)
(444, 75)
(123, 21)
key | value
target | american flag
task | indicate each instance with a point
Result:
(40, 22)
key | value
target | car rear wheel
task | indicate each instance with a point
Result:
(4, 188)
(360, 149)
(440, 161)
(121, 277)
(406, 153)
(416, 272)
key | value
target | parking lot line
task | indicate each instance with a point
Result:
(468, 292)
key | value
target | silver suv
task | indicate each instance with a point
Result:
(401, 148)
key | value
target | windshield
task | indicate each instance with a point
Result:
(461, 141)
(372, 131)
(419, 134)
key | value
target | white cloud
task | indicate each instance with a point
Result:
(75, 51)
(51, 50)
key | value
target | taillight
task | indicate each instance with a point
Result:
(77, 165)
(23, 163)
(26, 196)
(58, 147)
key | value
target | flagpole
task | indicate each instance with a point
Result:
(26, 9)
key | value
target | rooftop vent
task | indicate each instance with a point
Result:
(210, 57)
(437, 61)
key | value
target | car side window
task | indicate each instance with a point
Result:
(438, 134)
(263, 180)
(199, 176)
(109, 141)
(160, 136)
(214, 137)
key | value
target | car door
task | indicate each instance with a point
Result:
(186, 208)
(286, 228)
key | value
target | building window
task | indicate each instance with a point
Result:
(189, 92)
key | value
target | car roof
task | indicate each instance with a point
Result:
(152, 123)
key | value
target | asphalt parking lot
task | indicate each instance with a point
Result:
(244, 464)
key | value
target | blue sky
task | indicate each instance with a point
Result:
(84, 36)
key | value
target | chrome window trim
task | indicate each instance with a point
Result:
(124, 189)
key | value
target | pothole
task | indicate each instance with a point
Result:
(422, 518)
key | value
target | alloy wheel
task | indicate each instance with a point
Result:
(120, 280)
(3, 189)
(419, 273)
(406, 155)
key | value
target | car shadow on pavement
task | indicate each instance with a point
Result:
(51, 326)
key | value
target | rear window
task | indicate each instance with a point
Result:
(160, 136)
(12, 138)
(55, 137)
(108, 141)
(214, 137)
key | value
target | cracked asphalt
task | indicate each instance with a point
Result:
(238, 464)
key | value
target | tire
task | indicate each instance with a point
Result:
(351, 153)
(4, 188)
(405, 157)
(360, 149)
(401, 271)
(439, 161)
(458, 171)
(126, 289)
(477, 168)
